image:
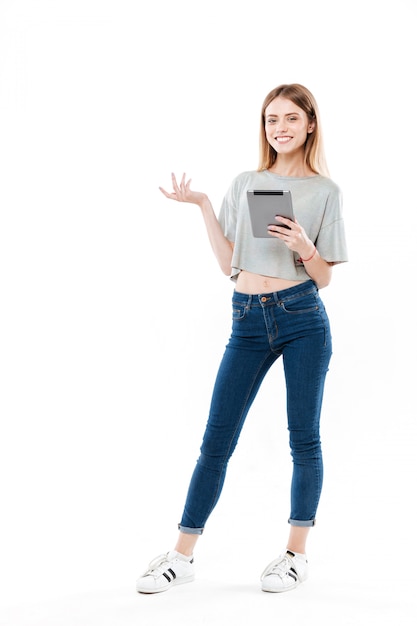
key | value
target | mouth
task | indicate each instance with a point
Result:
(282, 140)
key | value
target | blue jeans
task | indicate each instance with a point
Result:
(293, 324)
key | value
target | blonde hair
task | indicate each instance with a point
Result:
(314, 156)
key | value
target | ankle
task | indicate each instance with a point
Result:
(182, 555)
(186, 544)
(296, 552)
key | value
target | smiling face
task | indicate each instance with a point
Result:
(286, 126)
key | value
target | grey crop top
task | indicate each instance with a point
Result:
(317, 203)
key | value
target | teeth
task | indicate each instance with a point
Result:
(282, 139)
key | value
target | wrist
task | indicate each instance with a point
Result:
(310, 256)
(204, 203)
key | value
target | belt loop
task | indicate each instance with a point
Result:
(249, 302)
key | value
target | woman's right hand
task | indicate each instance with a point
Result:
(222, 248)
(183, 193)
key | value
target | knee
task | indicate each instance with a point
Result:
(212, 462)
(306, 449)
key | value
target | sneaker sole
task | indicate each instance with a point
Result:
(176, 581)
(282, 590)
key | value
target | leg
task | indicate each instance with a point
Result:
(306, 362)
(298, 539)
(246, 360)
(239, 378)
(306, 358)
(186, 543)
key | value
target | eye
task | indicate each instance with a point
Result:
(293, 118)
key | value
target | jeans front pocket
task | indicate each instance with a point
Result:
(303, 304)
(239, 311)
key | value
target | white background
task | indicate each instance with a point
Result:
(114, 314)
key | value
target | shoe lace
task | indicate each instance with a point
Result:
(282, 566)
(157, 566)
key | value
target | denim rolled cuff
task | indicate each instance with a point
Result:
(302, 523)
(190, 531)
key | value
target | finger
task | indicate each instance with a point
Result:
(284, 220)
(174, 182)
(182, 185)
(167, 194)
(278, 231)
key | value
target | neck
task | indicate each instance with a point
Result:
(291, 167)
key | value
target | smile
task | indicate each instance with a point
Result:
(282, 139)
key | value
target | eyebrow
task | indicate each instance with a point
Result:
(275, 115)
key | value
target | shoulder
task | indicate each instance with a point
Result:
(326, 184)
(244, 176)
(332, 197)
(247, 178)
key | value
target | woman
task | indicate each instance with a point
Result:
(277, 311)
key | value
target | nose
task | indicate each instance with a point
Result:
(281, 125)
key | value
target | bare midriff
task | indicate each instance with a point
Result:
(256, 283)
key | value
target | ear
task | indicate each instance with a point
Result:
(311, 126)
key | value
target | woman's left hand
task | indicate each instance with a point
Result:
(294, 236)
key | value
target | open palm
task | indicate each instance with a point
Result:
(182, 192)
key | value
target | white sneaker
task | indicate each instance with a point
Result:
(166, 571)
(285, 572)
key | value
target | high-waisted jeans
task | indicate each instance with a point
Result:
(293, 324)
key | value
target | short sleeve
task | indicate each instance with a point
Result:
(331, 240)
(228, 212)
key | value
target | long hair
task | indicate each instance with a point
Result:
(314, 156)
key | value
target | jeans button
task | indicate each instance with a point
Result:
(263, 299)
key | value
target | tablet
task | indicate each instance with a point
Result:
(264, 205)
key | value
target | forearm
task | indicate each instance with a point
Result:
(318, 269)
(221, 246)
